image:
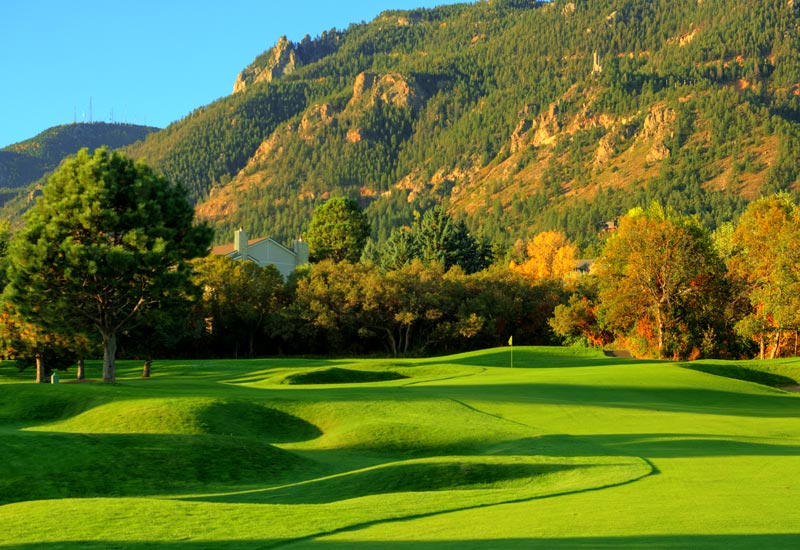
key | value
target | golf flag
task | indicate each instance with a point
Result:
(510, 340)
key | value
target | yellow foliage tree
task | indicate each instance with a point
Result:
(550, 256)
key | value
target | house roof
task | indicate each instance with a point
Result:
(225, 249)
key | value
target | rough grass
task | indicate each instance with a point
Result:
(569, 449)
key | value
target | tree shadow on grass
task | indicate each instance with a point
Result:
(777, 541)
(528, 358)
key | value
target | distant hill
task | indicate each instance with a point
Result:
(24, 163)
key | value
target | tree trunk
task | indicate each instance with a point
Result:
(109, 358)
(146, 369)
(41, 374)
(392, 342)
(81, 374)
(776, 348)
(662, 328)
(761, 346)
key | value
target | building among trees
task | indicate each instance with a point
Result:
(265, 251)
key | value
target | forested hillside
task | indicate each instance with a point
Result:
(518, 116)
(24, 163)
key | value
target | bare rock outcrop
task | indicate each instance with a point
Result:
(281, 60)
(316, 119)
(389, 89)
(658, 126)
(547, 127)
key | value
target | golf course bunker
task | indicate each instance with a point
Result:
(336, 375)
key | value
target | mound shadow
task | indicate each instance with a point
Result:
(401, 478)
(742, 373)
(249, 419)
(338, 375)
(135, 465)
(529, 359)
(633, 542)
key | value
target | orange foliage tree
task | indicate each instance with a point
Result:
(766, 257)
(550, 256)
(658, 270)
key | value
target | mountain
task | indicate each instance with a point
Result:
(24, 163)
(519, 116)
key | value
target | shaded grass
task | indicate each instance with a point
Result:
(80, 465)
(336, 375)
(533, 474)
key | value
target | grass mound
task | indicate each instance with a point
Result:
(338, 375)
(102, 465)
(196, 416)
(34, 403)
(746, 374)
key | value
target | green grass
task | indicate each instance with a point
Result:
(775, 373)
(569, 449)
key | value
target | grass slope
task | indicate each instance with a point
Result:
(569, 449)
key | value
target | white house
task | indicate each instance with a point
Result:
(265, 251)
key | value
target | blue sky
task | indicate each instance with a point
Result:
(146, 61)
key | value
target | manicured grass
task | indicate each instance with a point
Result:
(569, 449)
(775, 373)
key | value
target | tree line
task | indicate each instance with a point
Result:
(111, 261)
(663, 285)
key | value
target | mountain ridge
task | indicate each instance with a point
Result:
(518, 116)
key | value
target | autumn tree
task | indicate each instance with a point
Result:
(654, 273)
(765, 256)
(107, 241)
(338, 231)
(549, 255)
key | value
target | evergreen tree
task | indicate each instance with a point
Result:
(108, 241)
(338, 231)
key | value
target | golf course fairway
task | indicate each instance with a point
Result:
(567, 449)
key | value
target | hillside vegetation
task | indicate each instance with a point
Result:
(24, 163)
(567, 449)
(519, 116)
